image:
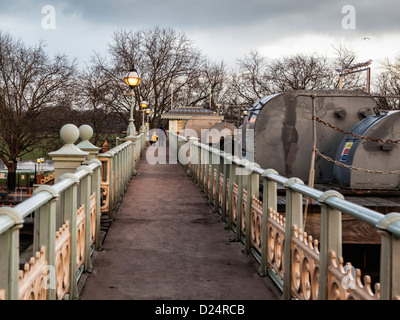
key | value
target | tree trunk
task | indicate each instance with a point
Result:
(11, 175)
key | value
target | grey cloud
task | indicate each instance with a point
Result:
(235, 23)
(281, 16)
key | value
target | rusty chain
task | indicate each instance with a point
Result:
(327, 124)
(317, 152)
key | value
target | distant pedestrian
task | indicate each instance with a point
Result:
(154, 138)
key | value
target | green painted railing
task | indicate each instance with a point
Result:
(304, 268)
(67, 218)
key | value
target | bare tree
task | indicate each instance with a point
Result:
(206, 89)
(168, 63)
(30, 83)
(388, 83)
(95, 94)
(300, 72)
(250, 80)
(345, 57)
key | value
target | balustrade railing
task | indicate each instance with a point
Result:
(303, 267)
(67, 217)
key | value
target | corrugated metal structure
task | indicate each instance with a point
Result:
(283, 129)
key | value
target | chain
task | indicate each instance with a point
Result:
(355, 135)
(355, 168)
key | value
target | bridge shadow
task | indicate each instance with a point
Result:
(166, 243)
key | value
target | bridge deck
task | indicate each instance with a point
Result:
(166, 243)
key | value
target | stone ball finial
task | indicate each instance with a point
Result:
(69, 133)
(85, 132)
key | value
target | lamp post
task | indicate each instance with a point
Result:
(132, 80)
(144, 105)
(39, 172)
(147, 113)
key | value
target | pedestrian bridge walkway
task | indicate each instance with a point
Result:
(167, 243)
(204, 227)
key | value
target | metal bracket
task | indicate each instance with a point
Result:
(96, 161)
(71, 176)
(13, 214)
(251, 165)
(194, 139)
(387, 220)
(85, 168)
(47, 188)
(328, 194)
(292, 181)
(269, 171)
(228, 158)
(243, 163)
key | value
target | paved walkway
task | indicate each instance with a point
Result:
(166, 243)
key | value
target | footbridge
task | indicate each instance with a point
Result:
(182, 221)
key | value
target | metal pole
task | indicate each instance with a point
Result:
(172, 96)
(369, 80)
(312, 166)
(132, 103)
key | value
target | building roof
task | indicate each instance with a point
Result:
(186, 113)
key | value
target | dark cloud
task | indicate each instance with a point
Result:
(244, 24)
(281, 16)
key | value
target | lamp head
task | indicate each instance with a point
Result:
(132, 79)
(144, 104)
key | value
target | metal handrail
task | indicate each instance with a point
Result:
(332, 205)
(11, 219)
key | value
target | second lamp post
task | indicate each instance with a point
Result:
(132, 79)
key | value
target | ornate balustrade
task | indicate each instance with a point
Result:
(67, 217)
(301, 266)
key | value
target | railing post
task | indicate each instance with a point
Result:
(70, 209)
(212, 167)
(113, 180)
(206, 170)
(294, 216)
(96, 188)
(219, 155)
(68, 157)
(232, 179)
(9, 255)
(226, 159)
(47, 233)
(86, 133)
(198, 164)
(251, 191)
(390, 258)
(330, 239)
(110, 179)
(269, 202)
(240, 198)
(193, 157)
(85, 199)
(201, 168)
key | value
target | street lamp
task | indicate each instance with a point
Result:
(147, 113)
(144, 105)
(132, 79)
(39, 162)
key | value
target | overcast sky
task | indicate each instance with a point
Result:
(222, 29)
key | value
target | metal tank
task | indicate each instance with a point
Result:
(374, 158)
(283, 129)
